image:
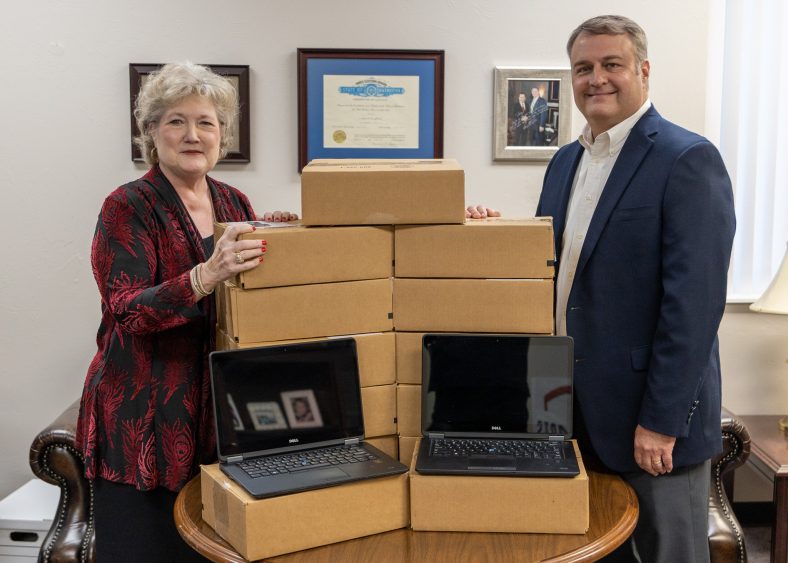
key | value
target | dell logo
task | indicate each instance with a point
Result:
(496, 427)
(292, 441)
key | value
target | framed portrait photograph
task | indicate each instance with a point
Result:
(266, 415)
(369, 103)
(532, 112)
(238, 75)
(301, 409)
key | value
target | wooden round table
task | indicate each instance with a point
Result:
(613, 510)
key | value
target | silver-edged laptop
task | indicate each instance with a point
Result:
(289, 418)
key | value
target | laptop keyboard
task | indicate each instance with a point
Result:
(310, 459)
(533, 449)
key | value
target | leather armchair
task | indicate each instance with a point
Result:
(54, 459)
(726, 537)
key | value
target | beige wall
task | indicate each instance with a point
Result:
(754, 350)
(64, 103)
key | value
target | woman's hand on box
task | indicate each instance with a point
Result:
(231, 256)
(480, 212)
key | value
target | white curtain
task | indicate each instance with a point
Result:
(754, 138)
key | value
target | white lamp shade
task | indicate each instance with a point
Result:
(775, 298)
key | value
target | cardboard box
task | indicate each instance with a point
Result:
(461, 305)
(382, 192)
(409, 410)
(407, 445)
(306, 311)
(552, 505)
(299, 255)
(267, 527)
(380, 410)
(489, 248)
(387, 444)
(376, 353)
(409, 353)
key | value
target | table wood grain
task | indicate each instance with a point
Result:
(613, 515)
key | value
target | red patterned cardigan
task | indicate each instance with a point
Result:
(145, 416)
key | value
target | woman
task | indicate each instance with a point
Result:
(145, 422)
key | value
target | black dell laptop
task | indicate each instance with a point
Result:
(497, 405)
(289, 418)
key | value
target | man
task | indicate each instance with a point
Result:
(644, 222)
(537, 118)
(519, 121)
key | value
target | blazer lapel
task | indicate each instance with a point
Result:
(565, 180)
(632, 154)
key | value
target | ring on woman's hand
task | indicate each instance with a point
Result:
(238, 258)
(657, 461)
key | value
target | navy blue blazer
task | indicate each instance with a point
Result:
(649, 291)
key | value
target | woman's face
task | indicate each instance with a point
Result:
(187, 138)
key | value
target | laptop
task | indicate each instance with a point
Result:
(497, 405)
(289, 418)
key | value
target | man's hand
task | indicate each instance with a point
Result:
(480, 212)
(654, 451)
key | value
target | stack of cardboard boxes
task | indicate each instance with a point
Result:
(384, 255)
(317, 283)
(481, 276)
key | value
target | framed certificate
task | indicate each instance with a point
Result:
(359, 103)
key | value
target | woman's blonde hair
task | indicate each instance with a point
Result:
(174, 82)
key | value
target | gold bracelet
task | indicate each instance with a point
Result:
(198, 279)
(196, 285)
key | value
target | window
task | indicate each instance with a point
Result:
(754, 138)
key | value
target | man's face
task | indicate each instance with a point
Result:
(535, 92)
(607, 84)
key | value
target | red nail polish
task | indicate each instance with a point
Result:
(261, 258)
(254, 228)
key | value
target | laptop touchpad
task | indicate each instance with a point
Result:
(495, 462)
(317, 476)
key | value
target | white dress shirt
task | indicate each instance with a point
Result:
(598, 159)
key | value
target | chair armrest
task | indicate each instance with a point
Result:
(55, 459)
(726, 539)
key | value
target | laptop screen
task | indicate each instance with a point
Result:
(497, 384)
(286, 397)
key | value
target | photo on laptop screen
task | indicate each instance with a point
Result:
(289, 417)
